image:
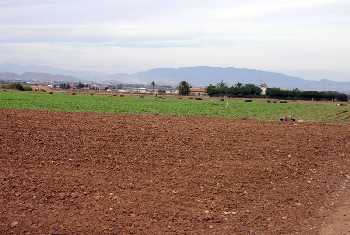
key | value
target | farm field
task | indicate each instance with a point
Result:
(233, 108)
(90, 173)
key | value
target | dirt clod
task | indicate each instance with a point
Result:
(14, 224)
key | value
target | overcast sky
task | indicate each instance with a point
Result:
(132, 35)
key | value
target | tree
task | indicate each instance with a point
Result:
(184, 88)
(153, 84)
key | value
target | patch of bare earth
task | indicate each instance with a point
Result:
(79, 173)
(338, 221)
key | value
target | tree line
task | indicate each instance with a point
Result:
(251, 90)
(305, 95)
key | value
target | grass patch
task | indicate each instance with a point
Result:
(259, 109)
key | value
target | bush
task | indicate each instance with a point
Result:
(18, 86)
(27, 88)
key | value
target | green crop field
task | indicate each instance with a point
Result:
(233, 108)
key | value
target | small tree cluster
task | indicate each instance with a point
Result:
(64, 86)
(238, 90)
(81, 85)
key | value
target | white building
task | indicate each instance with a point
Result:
(263, 88)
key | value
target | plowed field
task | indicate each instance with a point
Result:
(85, 173)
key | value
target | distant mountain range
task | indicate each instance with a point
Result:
(38, 77)
(42, 69)
(197, 76)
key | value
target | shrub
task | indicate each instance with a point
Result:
(27, 88)
(18, 86)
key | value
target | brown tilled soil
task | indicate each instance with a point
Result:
(65, 173)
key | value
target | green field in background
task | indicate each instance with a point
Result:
(233, 108)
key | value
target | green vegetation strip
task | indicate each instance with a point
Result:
(233, 108)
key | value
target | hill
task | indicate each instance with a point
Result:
(202, 76)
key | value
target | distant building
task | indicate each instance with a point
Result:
(263, 88)
(141, 90)
(198, 91)
(171, 92)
